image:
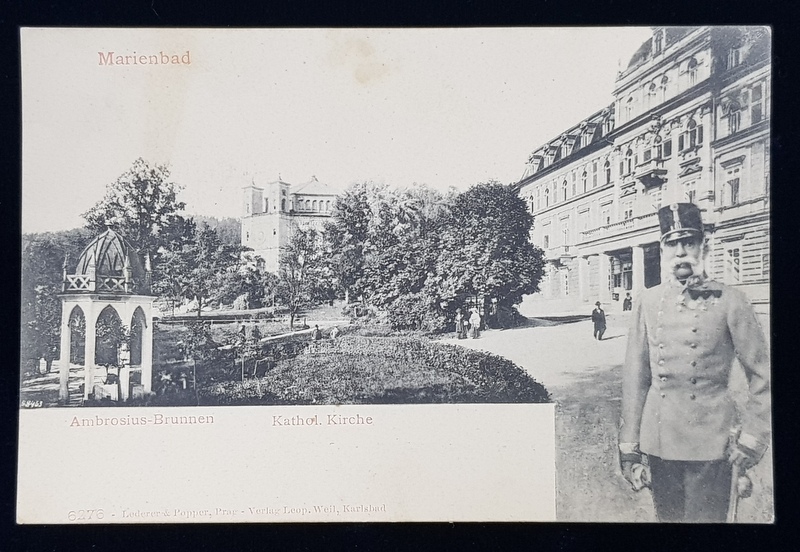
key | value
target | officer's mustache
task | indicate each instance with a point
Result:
(691, 261)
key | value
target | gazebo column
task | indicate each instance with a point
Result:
(88, 363)
(63, 363)
(147, 353)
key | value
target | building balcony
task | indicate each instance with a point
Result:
(651, 173)
(635, 223)
(561, 253)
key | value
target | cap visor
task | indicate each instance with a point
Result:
(679, 234)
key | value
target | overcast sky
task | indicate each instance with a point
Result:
(446, 107)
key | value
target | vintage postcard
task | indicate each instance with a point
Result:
(331, 275)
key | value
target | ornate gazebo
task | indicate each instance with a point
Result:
(109, 289)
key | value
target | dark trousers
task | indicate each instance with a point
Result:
(690, 491)
(599, 331)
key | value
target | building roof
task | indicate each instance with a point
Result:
(313, 187)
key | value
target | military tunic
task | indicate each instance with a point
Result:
(675, 399)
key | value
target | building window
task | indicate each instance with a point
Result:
(734, 118)
(629, 109)
(308, 205)
(655, 196)
(732, 267)
(733, 191)
(583, 181)
(565, 232)
(627, 210)
(605, 214)
(583, 220)
(651, 94)
(765, 265)
(690, 191)
(594, 174)
(538, 198)
(691, 137)
(564, 191)
(314, 205)
(734, 57)
(628, 161)
(547, 197)
(692, 70)
(647, 155)
(283, 205)
(546, 241)
(664, 149)
(664, 85)
(574, 184)
(757, 105)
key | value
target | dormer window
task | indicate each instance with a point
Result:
(734, 57)
(658, 43)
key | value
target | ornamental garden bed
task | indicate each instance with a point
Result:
(382, 370)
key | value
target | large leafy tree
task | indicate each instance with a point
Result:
(43, 257)
(304, 277)
(485, 248)
(197, 267)
(143, 205)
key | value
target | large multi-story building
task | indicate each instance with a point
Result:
(690, 122)
(273, 209)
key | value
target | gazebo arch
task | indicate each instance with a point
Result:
(76, 340)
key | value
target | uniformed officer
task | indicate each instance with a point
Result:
(677, 413)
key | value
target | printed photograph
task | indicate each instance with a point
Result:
(288, 217)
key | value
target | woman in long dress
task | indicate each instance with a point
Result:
(475, 323)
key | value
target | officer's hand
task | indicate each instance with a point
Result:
(638, 475)
(744, 487)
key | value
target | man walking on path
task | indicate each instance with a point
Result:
(599, 321)
(677, 431)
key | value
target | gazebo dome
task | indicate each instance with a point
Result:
(109, 263)
(109, 251)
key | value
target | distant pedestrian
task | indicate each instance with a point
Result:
(627, 303)
(335, 332)
(316, 335)
(599, 321)
(475, 323)
(461, 324)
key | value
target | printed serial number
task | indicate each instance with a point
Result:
(85, 515)
(27, 403)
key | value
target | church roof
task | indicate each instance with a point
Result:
(313, 187)
(109, 251)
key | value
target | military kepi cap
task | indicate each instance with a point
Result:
(680, 220)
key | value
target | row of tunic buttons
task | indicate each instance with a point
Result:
(691, 396)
